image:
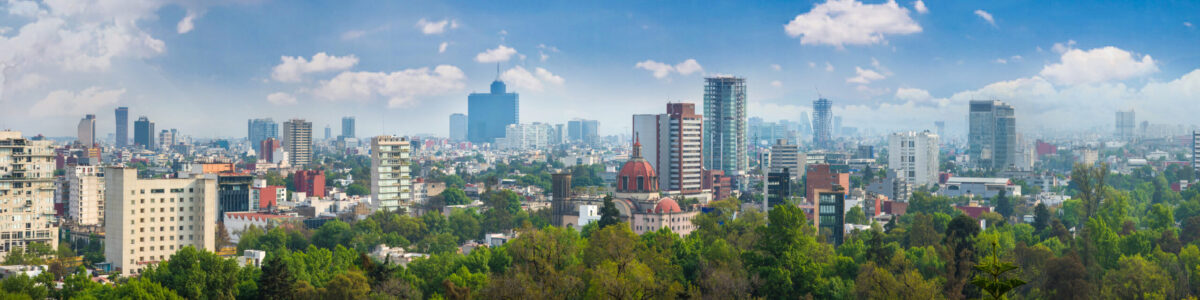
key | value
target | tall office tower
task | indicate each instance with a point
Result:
(831, 212)
(266, 150)
(673, 145)
(458, 127)
(391, 184)
(233, 193)
(914, 156)
(258, 130)
(526, 136)
(837, 126)
(992, 140)
(822, 124)
(583, 131)
(556, 138)
(297, 142)
(1125, 124)
(122, 134)
(805, 125)
(489, 114)
(725, 126)
(941, 129)
(779, 187)
(310, 182)
(166, 138)
(26, 192)
(143, 133)
(645, 131)
(786, 155)
(328, 132)
(86, 204)
(87, 131)
(348, 127)
(149, 219)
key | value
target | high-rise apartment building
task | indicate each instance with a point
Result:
(266, 150)
(527, 136)
(297, 142)
(1196, 153)
(488, 115)
(87, 131)
(166, 138)
(992, 140)
(26, 192)
(143, 133)
(1125, 124)
(86, 196)
(786, 155)
(391, 182)
(122, 134)
(258, 130)
(822, 124)
(458, 127)
(914, 156)
(147, 220)
(348, 127)
(310, 182)
(328, 132)
(725, 126)
(673, 145)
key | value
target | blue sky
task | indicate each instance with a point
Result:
(886, 65)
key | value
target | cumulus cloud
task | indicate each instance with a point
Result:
(850, 22)
(1098, 65)
(187, 23)
(536, 81)
(293, 68)
(78, 35)
(500, 54)
(828, 67)
(919, 6)
(67, 103)
(281, 98)
(985, 16)
(436, 27)
(401, 88)
(1061, 48)
(543, 51)
(864, 76)
(662, 70)
(442, 47)
(353, 34)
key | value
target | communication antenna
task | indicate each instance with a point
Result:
(497, 71)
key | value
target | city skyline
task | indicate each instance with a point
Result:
(415, 66)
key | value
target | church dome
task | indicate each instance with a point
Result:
(637, 176)
(667, 205)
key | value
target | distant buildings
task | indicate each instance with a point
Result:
(822, 124)
(725, 126)
(787, 156)
(527, 136)
(391, 182)
(87, 131)
(583, 131)
(1125, 124)
(26, 192)
(234, 193)
(86, 194)
(1196, 152)
(987, 188)
(258, 130)
(297, 142)
(914, 156)
(266, 150)
(992, 139)
(831, 212)
(122, 134)
(143, 133)
(348, 127)
(825, 176)
(310, 182)
(167, 138)
(488, 115)
(147, 220)
(458, 127)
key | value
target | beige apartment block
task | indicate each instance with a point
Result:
(148, 220)
(26, 192)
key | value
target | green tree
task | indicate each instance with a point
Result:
(196, 274)
(1137, 278)
(455, 196)
(992, 280)
(1041, 217)
(959, 240)
(1004, 204)
(347, 285)
(856, 216)
(609, 215)
(277, 280)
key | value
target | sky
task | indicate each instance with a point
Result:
(402, 67)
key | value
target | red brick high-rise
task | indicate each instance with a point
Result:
(310, 182)
(266, 150)
(822, 176)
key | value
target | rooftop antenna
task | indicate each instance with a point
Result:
(497, 71)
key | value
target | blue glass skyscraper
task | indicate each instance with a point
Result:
(489, 114)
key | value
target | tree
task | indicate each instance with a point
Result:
(856, 216)
(196, 274)
(1066, 278)
(609, 215)
(959, 240)
(1191, 230)
(277, 280)
(347, 285)
(355, 189)
(993, 280)
(1137, 278)
(1004, 204)
(1041, 217)
(454, 196)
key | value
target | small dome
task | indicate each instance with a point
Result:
(667, 205)
(637, 175)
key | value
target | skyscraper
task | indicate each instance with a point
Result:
(1125, 124)
(348, 127)
(87, 131)
(328, 132)
(488, 115)
(143, 133)
(458, 127)
(166, 138)
(822, 123)
(785, 155)
(992, 140)
(122, 134)
(258, 130)
(941, 129)
(1196, 153)
(26, 192)
(583, 131)
(914, 156)
(297, 142)
(672, 143)
(391, 182)
(725, 126)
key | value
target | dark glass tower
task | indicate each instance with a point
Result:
(489, 114)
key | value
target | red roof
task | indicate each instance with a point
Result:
(667, 205)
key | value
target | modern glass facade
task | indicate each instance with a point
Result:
(725, 125)
(489, 114)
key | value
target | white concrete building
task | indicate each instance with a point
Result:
(787, 155)
(86, 203)
(26, 192)
(527, 136)
(980, 187)
(391, 182)
(149, 219)
(914, 156)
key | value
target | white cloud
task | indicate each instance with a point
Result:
(849, 22)
(1001, 61)
(500, 54)
(353, 34)
(912, 94)
(522, 79)
(919, 6)
(1098, 65)
(688, 67)
(812, 65)
(777, 67)
(546, 76)
(1061, 48)
(292, 68)
(26, 82)
(29, 9)
(986, 16)
(281, 98)
(436, 27)
(442, 47)
(67, 103)
(864, 76)
(187, 23)
(828, 67)
(661, 70)
(78, 35)
(1187, 24)
(776, 83)
(401, 88)
(1015, 58)
(543, 50)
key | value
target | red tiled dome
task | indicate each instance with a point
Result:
(637, 176)
(667, 205)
